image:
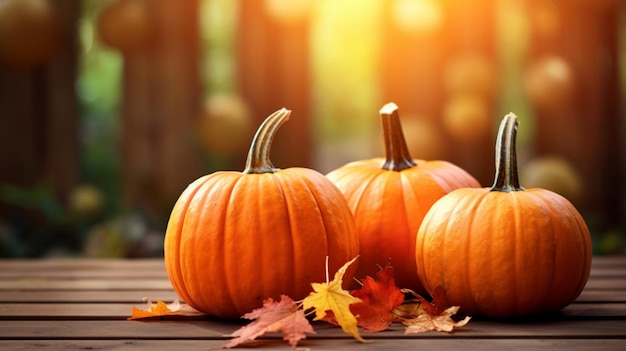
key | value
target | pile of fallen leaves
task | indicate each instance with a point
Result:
(373, 307)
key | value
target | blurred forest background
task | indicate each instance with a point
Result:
(108, 109)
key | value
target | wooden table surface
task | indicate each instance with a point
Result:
(84, 305)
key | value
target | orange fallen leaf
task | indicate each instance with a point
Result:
(162, 309)
(283, 316)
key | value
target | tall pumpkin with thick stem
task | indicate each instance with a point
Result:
(237, 238)
(504, 251)
(389, 198)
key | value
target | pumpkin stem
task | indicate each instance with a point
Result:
(398, 157)
(259, 155)
(506, 156)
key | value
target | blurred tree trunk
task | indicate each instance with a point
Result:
(586, 128)
(161, 103)
(39, 115)
(414, 64)
(274, 72)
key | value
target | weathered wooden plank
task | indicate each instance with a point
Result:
(606, 284)
(86, 296)
(97, 311)
(133, 296)
(85, 284)
(157, 330)
(320, 345)
(210, 329)
(602, 296)
(65, 274)
(47, 265)
(613, 261)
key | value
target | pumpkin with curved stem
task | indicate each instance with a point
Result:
(237, 238)
(389, 197)
(504, 251)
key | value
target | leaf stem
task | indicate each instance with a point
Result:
(327, 274)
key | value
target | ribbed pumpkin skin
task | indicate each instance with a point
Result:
(388, 208)
(504, 254)
(235, 239)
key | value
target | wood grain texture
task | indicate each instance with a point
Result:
(84, 304)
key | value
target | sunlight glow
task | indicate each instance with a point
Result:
(418, 16)
(288, 11)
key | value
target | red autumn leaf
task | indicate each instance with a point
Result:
(379, 298)
(438, 303)
(283, 316)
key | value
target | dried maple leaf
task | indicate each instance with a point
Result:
(283, 316)
(442, 322)
(162, 309)
(423, 316)
(330, 296)
(379, 299)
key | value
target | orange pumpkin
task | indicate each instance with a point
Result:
(504, 251)
(30, 32)
(125, 25)
(389, 198)
(237, 238)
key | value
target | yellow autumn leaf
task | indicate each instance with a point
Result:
(330, 296)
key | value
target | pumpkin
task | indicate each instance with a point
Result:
(466, 117)
(225, 124)
(30, 32)
(554, 173)
(549, 83)
(236, 238)
(125, 25)
(470, 73)
(389, 198)
(504, 251)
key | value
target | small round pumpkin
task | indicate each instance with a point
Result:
(30, 33)
(125, 25)
(225, 124)
(389, 198)
(504, 251)
(549, 83)
(236, 238)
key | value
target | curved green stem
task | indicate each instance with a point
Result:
(259, 155)
(398, 157)
(506, 156)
